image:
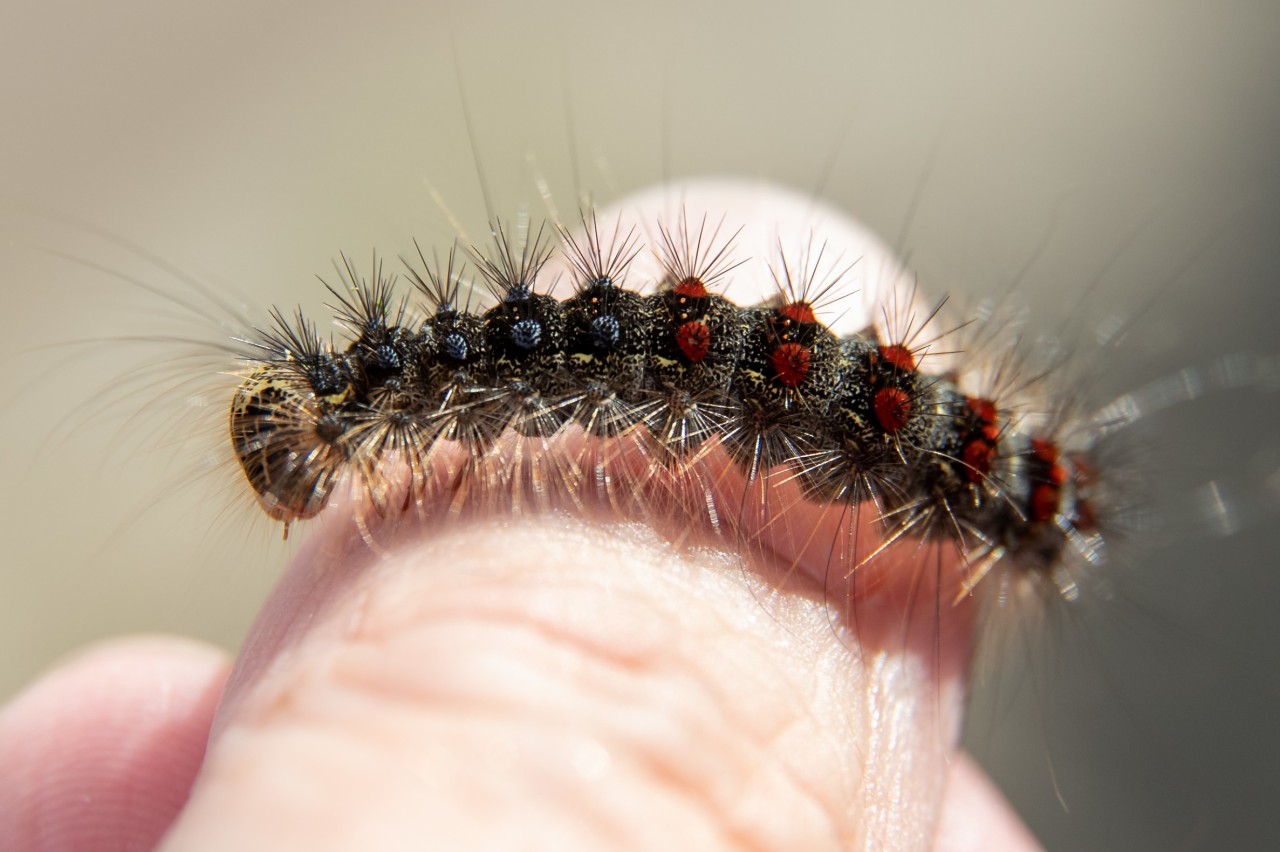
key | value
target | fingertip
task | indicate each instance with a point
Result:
(100, 752)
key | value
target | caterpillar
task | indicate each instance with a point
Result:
(635, 379)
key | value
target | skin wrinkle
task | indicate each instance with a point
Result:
(721, 710)
(496, 603)
(670, 756)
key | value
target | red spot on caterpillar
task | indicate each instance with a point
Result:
(978, 456)
(691, 288)
(980, 439)
(892, 408)
(1046, 452)
(790, 363)
(1049, 481)
(1044, 502)
(798, 312)
(899, 357)
(984, 411)
(694, 340)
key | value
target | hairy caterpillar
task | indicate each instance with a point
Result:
(850, 420)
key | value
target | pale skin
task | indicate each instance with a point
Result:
(546, 682)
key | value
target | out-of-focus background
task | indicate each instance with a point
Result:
(1109, 161)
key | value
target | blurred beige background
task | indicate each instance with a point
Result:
(245, 144)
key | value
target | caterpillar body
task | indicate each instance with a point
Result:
(635, 380)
